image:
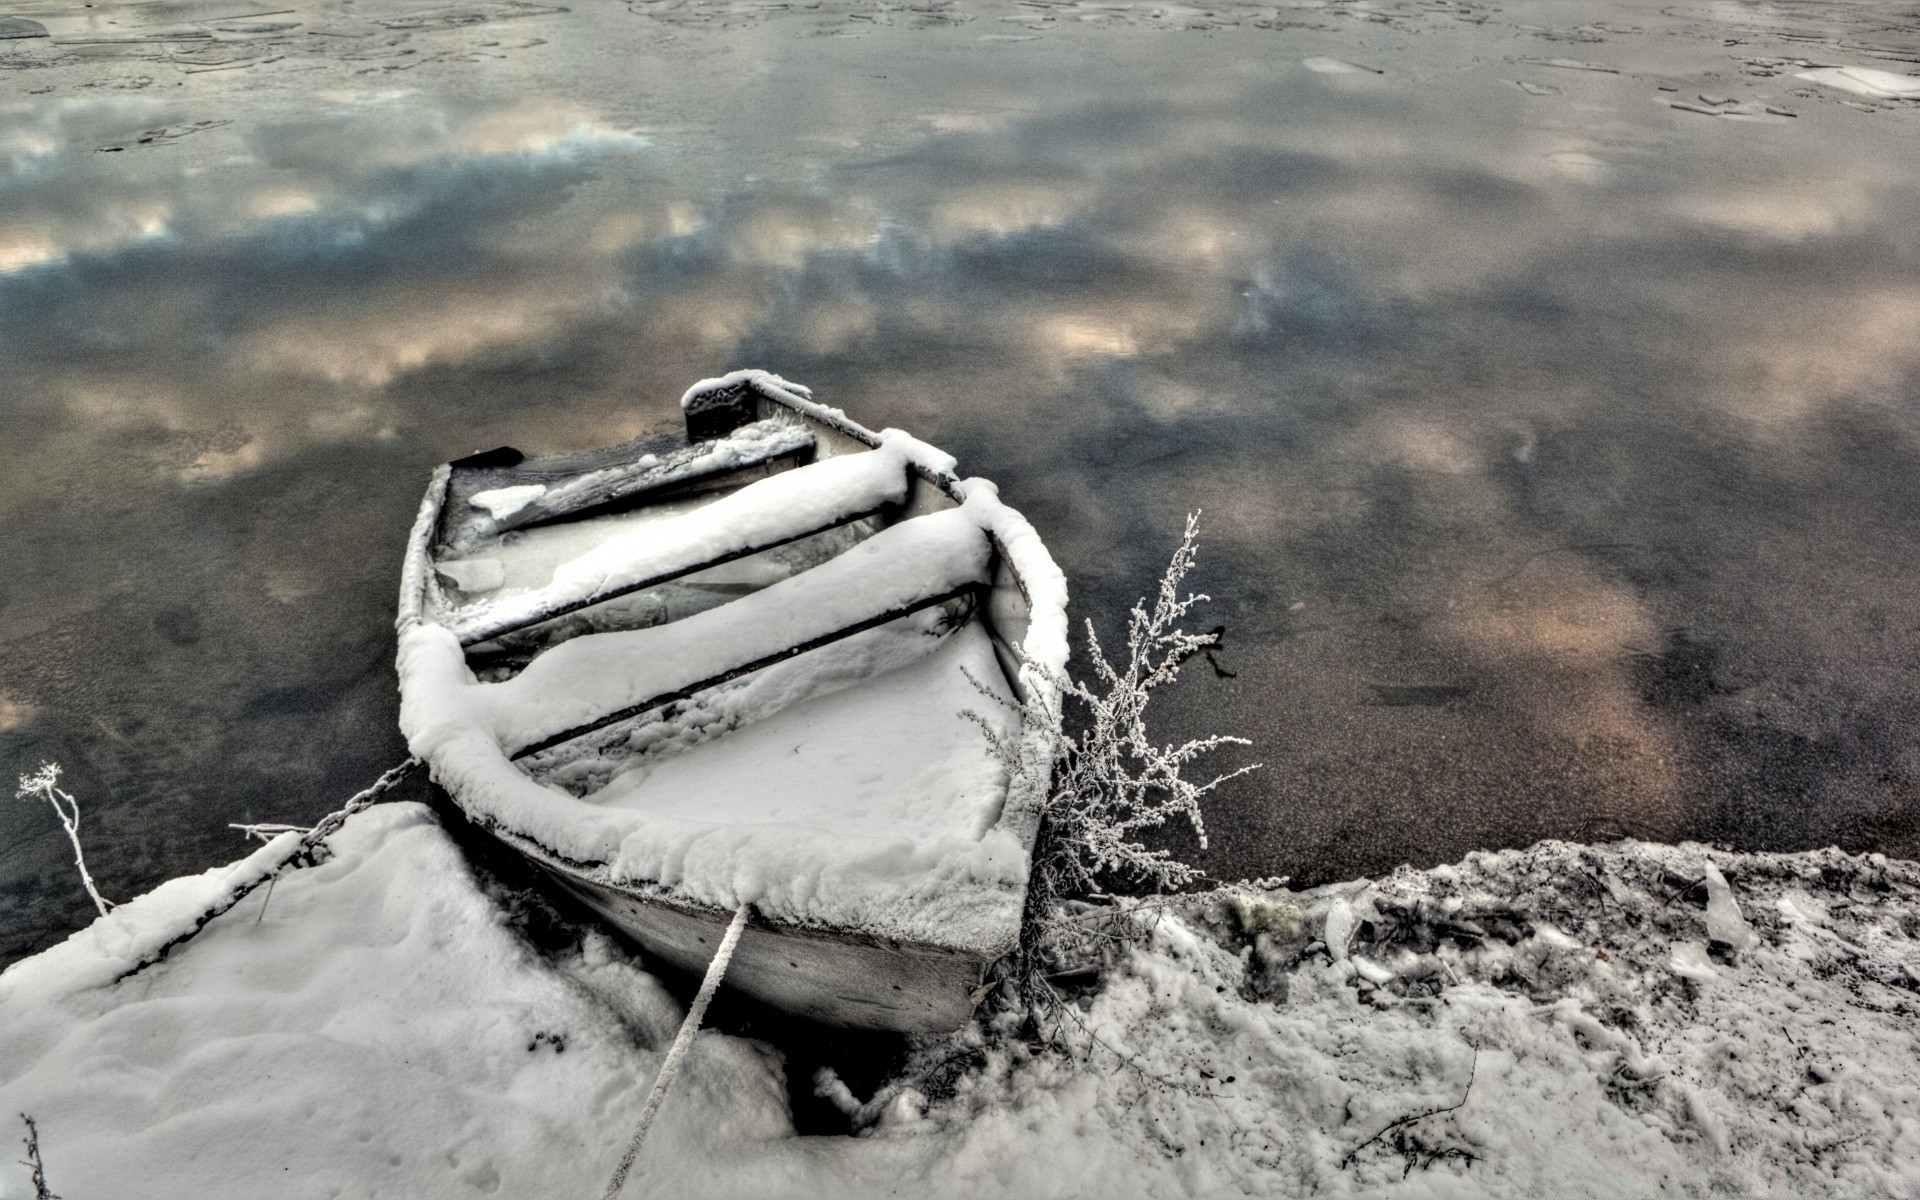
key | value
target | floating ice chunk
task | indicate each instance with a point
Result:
(1724, 922)
(1335, 66)
(474, 574)
(504, 502)
(1866, 81)
(1573, 64)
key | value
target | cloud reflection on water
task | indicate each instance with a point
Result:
(1556, 483)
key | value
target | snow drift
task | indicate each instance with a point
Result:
(1630, 1020)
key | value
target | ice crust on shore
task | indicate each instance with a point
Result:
(384, 1030)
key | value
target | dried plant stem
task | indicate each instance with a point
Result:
(32, 1141)
(44, 784)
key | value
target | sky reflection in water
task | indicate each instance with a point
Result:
(1558, 472)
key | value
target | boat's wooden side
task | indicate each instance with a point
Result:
(836, 980)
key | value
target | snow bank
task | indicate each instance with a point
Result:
(379, 1031)
(1507, 1026)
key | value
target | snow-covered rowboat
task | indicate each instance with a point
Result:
(730, 667)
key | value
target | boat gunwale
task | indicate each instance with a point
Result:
(665, 896)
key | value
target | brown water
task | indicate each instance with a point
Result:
(1557, 447)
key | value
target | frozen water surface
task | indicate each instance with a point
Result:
(1547, 373)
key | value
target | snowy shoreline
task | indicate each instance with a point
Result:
(1622, 1020)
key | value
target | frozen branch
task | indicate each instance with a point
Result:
(32, 1141)
(299, 849)
(44, 784)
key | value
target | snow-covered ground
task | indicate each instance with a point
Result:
(1628, 1020)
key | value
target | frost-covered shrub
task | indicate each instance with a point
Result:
(1112, 783)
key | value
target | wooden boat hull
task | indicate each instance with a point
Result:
(831, 978)
(851, 977)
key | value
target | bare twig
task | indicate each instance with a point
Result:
(32, 1141)
(265, 900)
(266, 831)
(44, 784)
(1432, 1112)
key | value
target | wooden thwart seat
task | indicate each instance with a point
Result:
(597, 680)
(969, 592)
(487, 630)
(762, 516)
(580, 486)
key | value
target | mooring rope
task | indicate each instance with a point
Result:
(716, 970)
(307, 841)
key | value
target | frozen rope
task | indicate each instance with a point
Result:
(304, 844)
(716, 970)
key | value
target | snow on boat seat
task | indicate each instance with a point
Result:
(772, 512)
(592, 681)
(813, 765)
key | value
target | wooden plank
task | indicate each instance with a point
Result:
(677, 473)
(833, 980)
(972, 590)
(664, 489)
(488, 631)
